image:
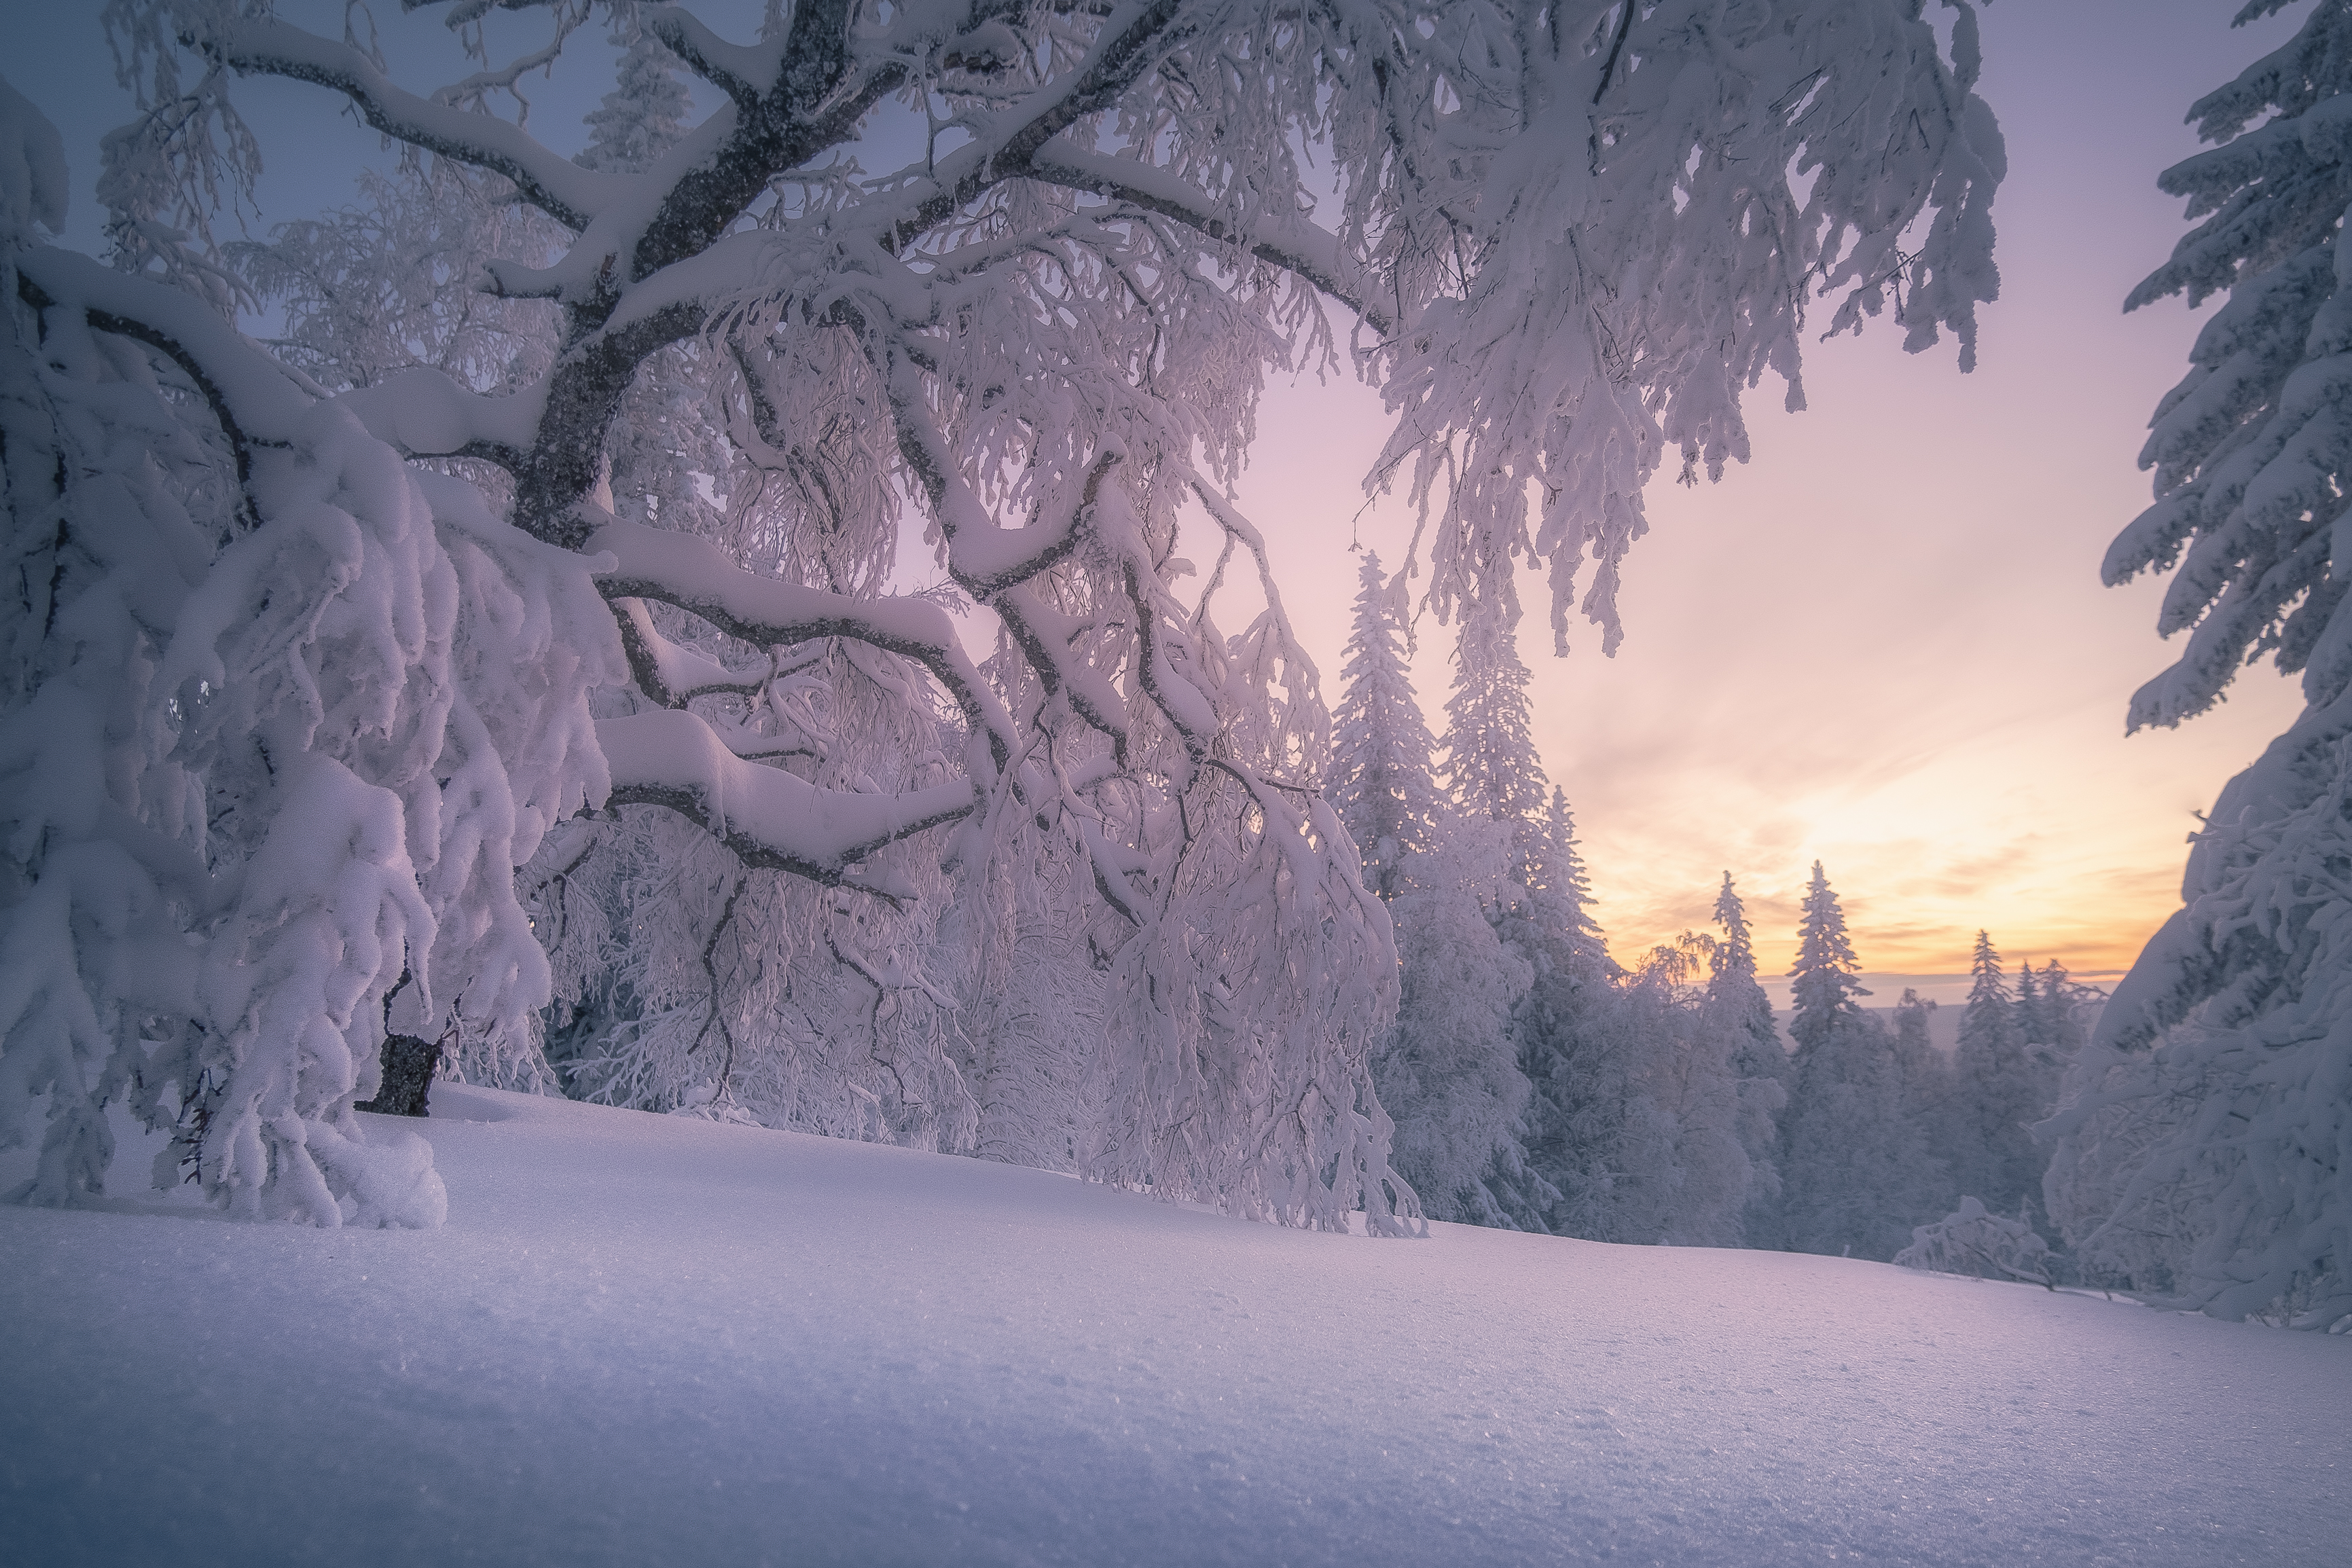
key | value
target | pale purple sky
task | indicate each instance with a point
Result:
(1883, 644)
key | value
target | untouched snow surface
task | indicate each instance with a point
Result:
(645, 1340)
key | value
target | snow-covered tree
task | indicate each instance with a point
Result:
(379, 680)
(2204, 1147)
(1737, 1005)
(1853, 1168)
(1931, 1099)
(649, 109)
(1490, 764)
(1382, 751)
(1996, 1092)
(282, 715)
(2054, 1017)
(1559, 890)
(1821, 984)
(1449, 1072)
(1547, 917)
(1697, 1084)
(1969, 1240)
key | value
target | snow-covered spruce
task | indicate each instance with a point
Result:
(2204, 1146)
(379, 635)
(1854, 1170)
(1737, 1006)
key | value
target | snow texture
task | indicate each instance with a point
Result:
(647, 1340)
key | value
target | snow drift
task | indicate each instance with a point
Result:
(652, 1340)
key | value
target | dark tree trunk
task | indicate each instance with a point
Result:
(408, 1064)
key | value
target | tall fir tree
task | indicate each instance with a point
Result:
(1559, 890)
(2049, 1012)
(1736, 1003)
(1448, 1071)
(1490, 764)
(1925, 1075)
(1821, 986)
(1853, 1167)
(1733, 990)
(1998, 1092)
(1572, 1057)
(1382, 751)
(2205, 1147)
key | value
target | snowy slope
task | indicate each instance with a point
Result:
(643, 1340)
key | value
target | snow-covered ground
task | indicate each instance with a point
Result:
(642, 1340)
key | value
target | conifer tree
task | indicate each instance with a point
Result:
(1568, 1047)
(1997, 1092)
(2028, 1017)
(2049, 1025)
(1490, 762)
(1559, 890)
(1732, 988)
(1447, 1071)
(1382, 751)
(1821, 986)
(1853, 1166)
(1928, 1090)
(646, 112)
(2202, 1151)
(1736, 1003)
(1695, 1082)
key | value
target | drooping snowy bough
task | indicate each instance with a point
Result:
(2204, 1146)
(309, 657)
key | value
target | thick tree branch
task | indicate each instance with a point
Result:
(695, 576)
(734, 69)
(422, 412)
(670, 674)
(582, 395)
(769, 818)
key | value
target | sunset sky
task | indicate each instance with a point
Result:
(1882, 645)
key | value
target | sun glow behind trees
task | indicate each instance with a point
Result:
(2008, 796)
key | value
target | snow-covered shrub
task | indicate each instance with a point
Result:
(1969, 1240)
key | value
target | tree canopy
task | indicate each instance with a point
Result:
(392, 633)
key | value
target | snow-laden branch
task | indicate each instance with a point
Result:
(769, 818)
(255, 400)
(672, 676)
(741, 71)
(422, 412)
(563, 190)
(1295, 243)
(697, 577)
(1132, 41)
